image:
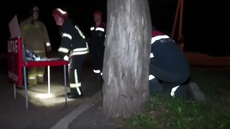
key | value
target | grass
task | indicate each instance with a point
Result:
(165, 112)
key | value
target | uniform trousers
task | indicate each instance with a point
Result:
(161, 80)
(36, 74)
(98, 56)
(75, 73)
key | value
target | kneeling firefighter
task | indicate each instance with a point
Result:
(73, 48)
(169, 69)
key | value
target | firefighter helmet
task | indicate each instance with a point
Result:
(33, 9)
(60, 13)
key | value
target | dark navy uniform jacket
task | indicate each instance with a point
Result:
(73, 41)
(98, 35)
(166, 54)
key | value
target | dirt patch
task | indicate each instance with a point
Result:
(198, 59)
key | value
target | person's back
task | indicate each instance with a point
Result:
(78, 39)
(167, 54)
(33, 35)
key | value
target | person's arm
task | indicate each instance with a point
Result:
(103, 31)
(45, 37)
(65, 43)
(23, 33)
(92, 28)
(104, 25)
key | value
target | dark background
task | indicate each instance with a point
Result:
(205, 22)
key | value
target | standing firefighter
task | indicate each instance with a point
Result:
(97, 41)
(35, 38)
(73, 48)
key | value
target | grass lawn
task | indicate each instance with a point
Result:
(164, 112)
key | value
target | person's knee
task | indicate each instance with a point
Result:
(154, 84)
(185, 77)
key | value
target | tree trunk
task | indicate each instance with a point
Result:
(126, 58)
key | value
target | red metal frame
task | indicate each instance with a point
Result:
(15, 53)
(44, 63)
(14, 60)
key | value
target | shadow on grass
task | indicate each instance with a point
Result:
(164, 112)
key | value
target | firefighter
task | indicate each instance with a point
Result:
(73, 48)
(35, 38)
(169, 65)
(98, 34)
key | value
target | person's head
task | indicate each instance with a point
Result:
(59, 16)
(35, 13)
(97, 16)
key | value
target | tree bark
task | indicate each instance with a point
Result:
(126, 57)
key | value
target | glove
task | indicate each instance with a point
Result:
(66, 58)
(48, 47)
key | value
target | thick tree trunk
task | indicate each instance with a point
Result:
(126, 58)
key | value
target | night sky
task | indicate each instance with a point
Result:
(204, 30)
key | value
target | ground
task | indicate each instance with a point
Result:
(42, 112)
(161, 112)
(164, 112)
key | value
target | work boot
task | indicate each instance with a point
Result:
(74, 94)
(196, 94)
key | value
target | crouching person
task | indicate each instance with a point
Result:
(169, 69)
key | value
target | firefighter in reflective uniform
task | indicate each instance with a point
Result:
(35, 38)
(73, 48)
(98, 34)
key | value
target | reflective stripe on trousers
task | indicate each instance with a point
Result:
(174, 90)
(151, 77)
(39, 51)
(32, 78)
(76, 85)
(40, 75)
